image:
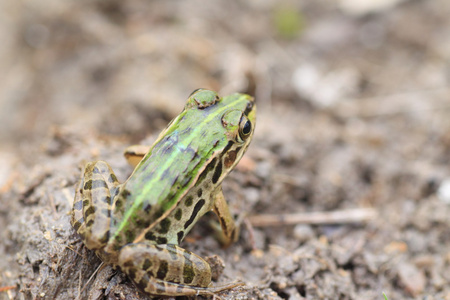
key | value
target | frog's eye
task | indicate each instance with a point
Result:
(245, 128)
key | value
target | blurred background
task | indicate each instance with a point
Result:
(353, 111)
(99, 64)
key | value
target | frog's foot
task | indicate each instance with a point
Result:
(91, 211)
(160, 287)
(167, 270)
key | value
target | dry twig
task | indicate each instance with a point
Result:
(334, 217)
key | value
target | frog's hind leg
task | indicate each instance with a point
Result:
(91, 212)
(168, 270)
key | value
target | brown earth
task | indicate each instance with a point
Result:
(353, 112)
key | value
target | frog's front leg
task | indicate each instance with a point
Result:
(91, 211)
(167, 270)
(230, 231)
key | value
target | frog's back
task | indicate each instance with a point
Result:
(188, 158)
(166, 174)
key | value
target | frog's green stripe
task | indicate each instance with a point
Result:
(194, 135)
(176, 150)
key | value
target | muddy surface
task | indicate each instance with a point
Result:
(353, 113)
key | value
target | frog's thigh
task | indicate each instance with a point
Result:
(230, 232)
(92, 204)
(165, 269)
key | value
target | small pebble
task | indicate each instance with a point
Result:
(443, 192)
(363, 7)
(303, 232)
(411, 278)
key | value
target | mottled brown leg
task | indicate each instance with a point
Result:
(167, 270)
(91, 209)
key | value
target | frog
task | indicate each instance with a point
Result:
(137, 226)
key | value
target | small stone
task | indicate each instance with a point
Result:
(303, 232)
(217, 266)
(443, 192)
(411, 278)
(48, 235)
(258, 253)
(293, 294)
(325, 89)
(363, 7)
(396, 247)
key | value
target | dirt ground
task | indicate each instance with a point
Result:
(353, 113)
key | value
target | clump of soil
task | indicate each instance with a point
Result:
(353, 113)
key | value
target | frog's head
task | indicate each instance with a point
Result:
(228, 124)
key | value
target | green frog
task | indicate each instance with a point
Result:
(138, 225)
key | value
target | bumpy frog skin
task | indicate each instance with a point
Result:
(138, 225)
